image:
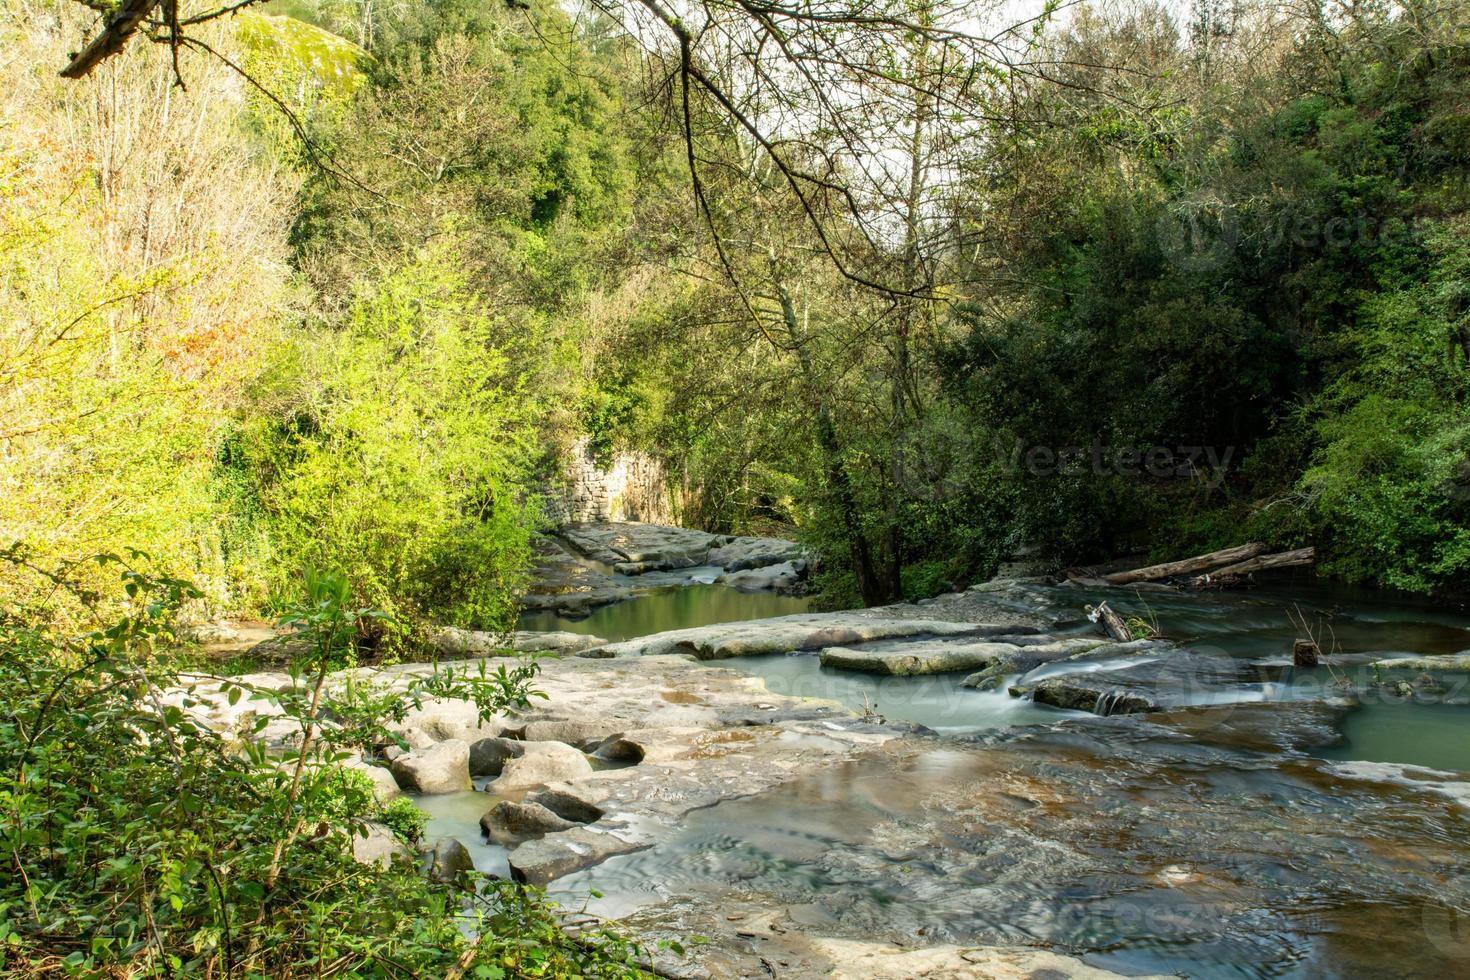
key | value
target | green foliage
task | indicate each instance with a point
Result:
(144, 844)
(1285, 283)
(402, 454)
(406, 820)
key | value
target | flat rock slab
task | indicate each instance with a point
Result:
(803, 632)
(741, 936)
(626, 541)
(591, 565)
(694, 735)
(1163, 677)
(456, 642)
(1454, 662)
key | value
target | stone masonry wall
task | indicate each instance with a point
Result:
(631, 488)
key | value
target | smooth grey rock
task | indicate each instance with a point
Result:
(788, 576)
(488, 756)
(545, 859)
(908, 659)
(585, 735)
(509, 823)
(541, 763)
(385, 787)
(740, 554)
(440, 720)
(379, 847)
(628, 541)
(445, 860)
(1454, 662)
(566, 802)
(441, 768)
(787, 634)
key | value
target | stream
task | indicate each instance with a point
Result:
(1254, 831)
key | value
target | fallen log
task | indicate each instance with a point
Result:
(1186, 566)
(1231, 574)
(1111, 621)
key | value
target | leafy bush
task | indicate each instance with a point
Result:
(399, 451)
(406, 820)
(138, 842)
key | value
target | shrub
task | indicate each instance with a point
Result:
(399, 451)
(143, 844)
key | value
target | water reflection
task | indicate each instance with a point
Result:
(672, 608)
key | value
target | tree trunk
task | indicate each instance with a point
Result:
(1231, 574)
(1185, 566)
(871, 586)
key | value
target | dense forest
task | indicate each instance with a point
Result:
(337, 284)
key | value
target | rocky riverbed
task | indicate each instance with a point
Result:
(980, 785)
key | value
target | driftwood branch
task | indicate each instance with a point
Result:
(1186, 566)
(1231, 574)
(119, 29)
(1111, 621)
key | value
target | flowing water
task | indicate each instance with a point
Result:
(1264, 829)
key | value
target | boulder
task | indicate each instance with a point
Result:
(510, 823)
(445, 860)
(489, 755)
(541, 763)
(583, 734)
(379, 847)
(566, 802)
(784, 577)
(385, 787)
(1077, 694)
(441, 768)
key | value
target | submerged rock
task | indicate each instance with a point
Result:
(1030, 656)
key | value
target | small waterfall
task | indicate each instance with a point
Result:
(1108, 701)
